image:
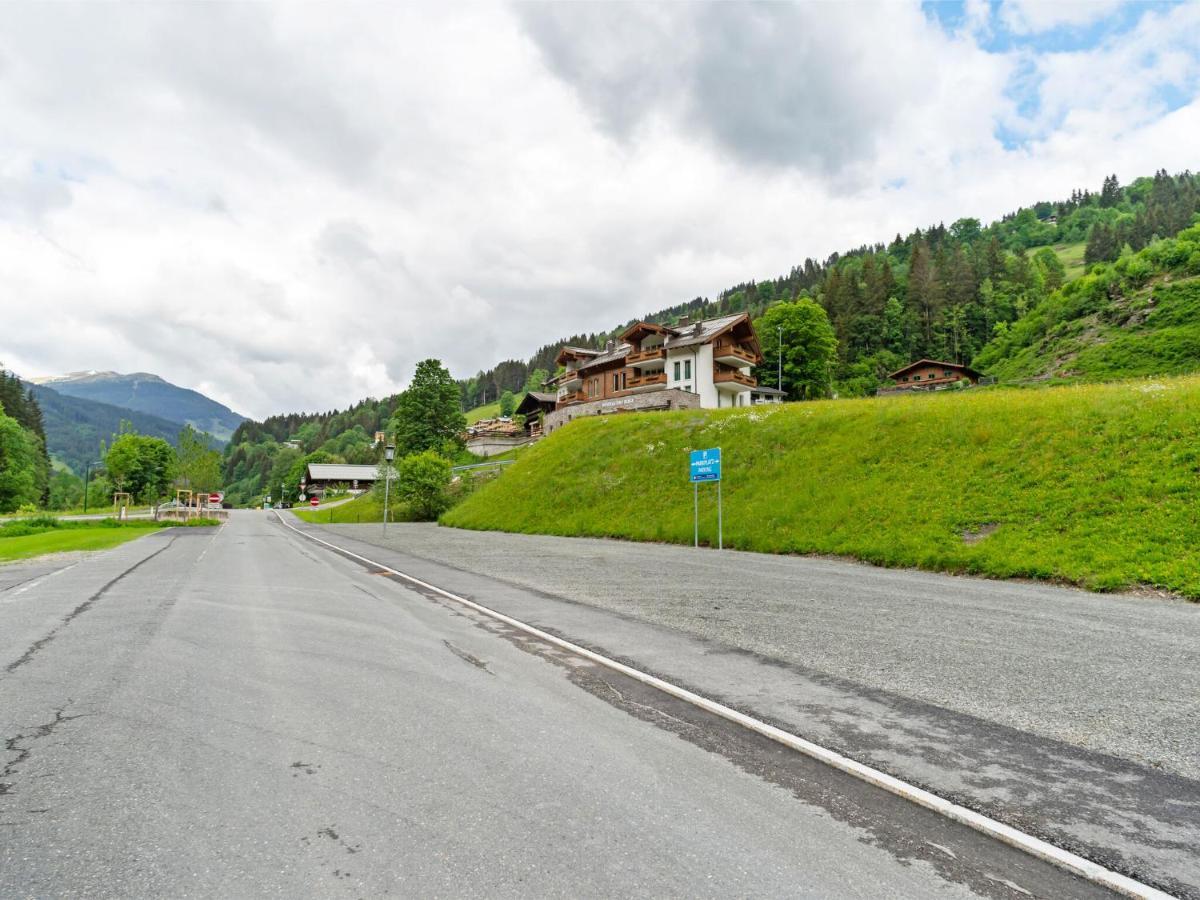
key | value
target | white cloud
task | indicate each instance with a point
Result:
(1036, 16)
(287, 207)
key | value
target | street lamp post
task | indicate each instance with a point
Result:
(779, 382)
(389, 454)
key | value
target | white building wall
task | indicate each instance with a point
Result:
(701, 381)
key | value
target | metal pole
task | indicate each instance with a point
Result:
(695, 515)
(720, 525)
(389, 454)
(87, 475)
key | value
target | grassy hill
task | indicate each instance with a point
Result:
(1090, 484)
(1071, 256)
(490, 410)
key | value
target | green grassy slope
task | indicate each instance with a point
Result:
(1155, 330)
(1071, 256)
(1092, 484)
(364, 508)
(491, 410)
(1137, 316)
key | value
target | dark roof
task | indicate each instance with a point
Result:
(763, 389)
(942, 364)
(534, 400)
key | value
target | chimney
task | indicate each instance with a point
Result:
(608, 346)
(684, 320)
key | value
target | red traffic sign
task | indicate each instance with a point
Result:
(313, 502)
(214, 498)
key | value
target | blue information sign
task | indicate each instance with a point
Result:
(706, 465)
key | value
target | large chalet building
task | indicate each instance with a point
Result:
(703, 365)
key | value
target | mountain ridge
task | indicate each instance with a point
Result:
(150, 394)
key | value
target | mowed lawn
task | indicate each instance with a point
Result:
(1097, 485)
(64, 540)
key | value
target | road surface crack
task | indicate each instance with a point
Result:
(20, 746)
(83, 607)
(468, 657)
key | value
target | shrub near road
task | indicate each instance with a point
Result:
(1092, 484)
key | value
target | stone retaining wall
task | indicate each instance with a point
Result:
(670, 398)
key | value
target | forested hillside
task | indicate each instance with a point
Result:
(1139, 315)
(941, 292)
(24, 460)
(76, 428)
(261, 454)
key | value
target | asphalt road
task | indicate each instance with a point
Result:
(1071, 715)
(236, 712)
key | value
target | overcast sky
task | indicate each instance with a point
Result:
(286, 207)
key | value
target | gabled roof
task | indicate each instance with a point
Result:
(703, 332)
(605, 358)
(569, 352)
(937, 363)
(637, 328)
(534, 400)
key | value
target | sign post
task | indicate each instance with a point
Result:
(705, 465)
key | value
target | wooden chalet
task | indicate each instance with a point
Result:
(929, 375)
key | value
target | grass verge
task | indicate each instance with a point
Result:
(1090, 484)
(37, 536)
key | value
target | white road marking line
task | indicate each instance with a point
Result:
(33, 584)
(210, 543)
(1063, 859)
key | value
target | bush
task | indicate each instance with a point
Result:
(422, 482)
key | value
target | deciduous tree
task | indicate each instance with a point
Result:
(427, 415)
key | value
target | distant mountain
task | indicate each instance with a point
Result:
(146, 393)
(75, 427)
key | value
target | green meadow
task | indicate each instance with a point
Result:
(1090, 484)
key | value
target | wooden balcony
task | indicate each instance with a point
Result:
(572, 397)
(733, 354)
(733, 380)
(648, 382)
(652, 356)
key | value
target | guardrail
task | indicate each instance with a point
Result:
(498, 462)
(183, 514)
